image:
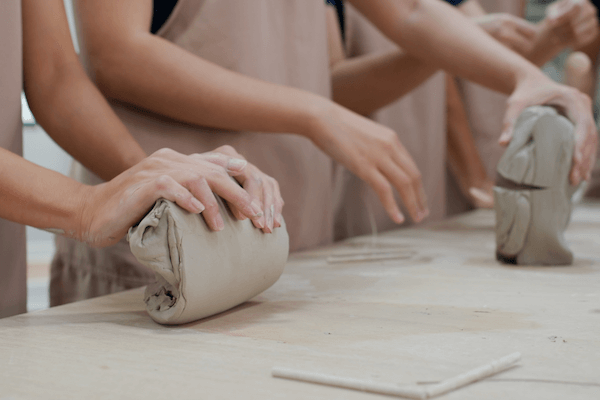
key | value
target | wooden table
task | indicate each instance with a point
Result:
(446, 308)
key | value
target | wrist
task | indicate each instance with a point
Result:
(317, 110)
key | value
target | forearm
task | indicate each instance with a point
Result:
(365, 84)
(63, 99)
(159, 76)
(82, 122)
(38, 197)
(441, 35)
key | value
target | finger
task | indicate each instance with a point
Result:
(268, 207)
(279, 203)
(253, 185)
(166, 187)
(211, 213)
(517, 42)
(384, 191)
(412, 173)
(481, 198)
(234, 166)
(229, 151)
(525, 28)
(587, 32)
(562, 12)
(513, 110)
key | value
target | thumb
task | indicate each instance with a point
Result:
(513, 110)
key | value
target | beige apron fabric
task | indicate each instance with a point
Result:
(280, 41)
(485, 110)
(419, 118)
(13, 274)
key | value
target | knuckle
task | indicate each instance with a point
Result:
(163, 182)
(211, 206)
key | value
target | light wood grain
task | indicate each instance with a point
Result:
(447, 309)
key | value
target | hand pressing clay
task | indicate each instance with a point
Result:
(533, 195)
(200, 272)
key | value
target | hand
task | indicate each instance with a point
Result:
(262, 188)
(515, 33)
(538, 90)
(482, 195)
(373, 153)
(109, 209)
(572, 22)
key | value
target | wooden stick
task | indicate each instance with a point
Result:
(358, 257)
(350, 383)
(473, 375)
(411, 392)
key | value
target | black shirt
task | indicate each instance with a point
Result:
(162, 11)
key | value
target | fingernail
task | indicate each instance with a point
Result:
(198, 207)
(504, 138)
(236, 164)
(399, 218)
(219, 224)
(256, 209)
(278, 218)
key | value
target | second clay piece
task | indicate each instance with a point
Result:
(533, 195)
(200, 272)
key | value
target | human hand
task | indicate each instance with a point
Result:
(262, 187)
(514, 32)
(109, 209)
(540, 90)
(571, 22)
(482, 195)
(374, 154)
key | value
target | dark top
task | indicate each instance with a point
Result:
(339, 7)
(454, 2)
(162, 11)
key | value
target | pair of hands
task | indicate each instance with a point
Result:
(568, 23)
(109, 209)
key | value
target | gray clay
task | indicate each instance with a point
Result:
(199, 272)
(533, 195)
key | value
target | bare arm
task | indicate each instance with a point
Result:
(134, 66)
(462, 155)
(64, 100)
(100, 215)
(437, 33)
(365, 84)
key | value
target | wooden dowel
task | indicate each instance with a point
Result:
(410, 392)
(350, 383)
(474, 375)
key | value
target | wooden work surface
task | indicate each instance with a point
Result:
(445, 308)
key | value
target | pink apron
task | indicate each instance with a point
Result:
(13, 272)
(419, 118)
(280, 41)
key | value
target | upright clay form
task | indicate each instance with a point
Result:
(200, 272)
(533, 194)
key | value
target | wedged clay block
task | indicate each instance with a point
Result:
(533, 195)
(199, 272)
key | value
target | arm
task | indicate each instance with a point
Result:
(437, 33)
(101, 215)
(78, 118)
(462, 155)
(64, 101)
(132, 65)
(365, 84)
